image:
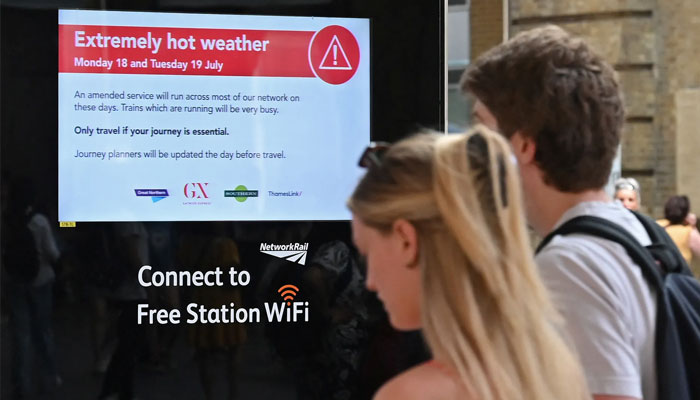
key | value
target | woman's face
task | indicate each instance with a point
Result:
(392, 270)
(628, 197)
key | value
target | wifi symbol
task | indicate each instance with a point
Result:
(288, 292)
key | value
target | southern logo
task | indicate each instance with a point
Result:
(240, 193)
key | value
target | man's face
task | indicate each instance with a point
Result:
(523, 149)
(482, 115)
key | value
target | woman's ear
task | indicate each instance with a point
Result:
(406, 241)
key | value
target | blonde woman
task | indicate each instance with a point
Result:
(439, 219)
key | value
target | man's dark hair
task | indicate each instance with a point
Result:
(677, 209)
(551, 87)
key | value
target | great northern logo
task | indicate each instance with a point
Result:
(240, 193)
(294, 252)
(156, 195)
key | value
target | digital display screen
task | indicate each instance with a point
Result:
(194, 117)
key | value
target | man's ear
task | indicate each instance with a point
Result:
(406, 240)
(524, 148)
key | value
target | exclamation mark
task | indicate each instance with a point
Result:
(335, 54)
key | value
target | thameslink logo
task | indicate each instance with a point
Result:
(289, 193)
(294, 252)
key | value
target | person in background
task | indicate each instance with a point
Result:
(627, 193)
(30, 297)
(128, 249)
(204, 248)
(161, 338)
(337, 283)
(681, 226)
(440, 223)
(560, 106)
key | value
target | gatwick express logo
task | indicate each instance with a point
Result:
(196, 190)
(197, 193)
(293, 252)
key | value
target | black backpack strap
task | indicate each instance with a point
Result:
(663, 247)
(605, 229)
(656, 232)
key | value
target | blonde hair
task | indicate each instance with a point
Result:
(485, 312)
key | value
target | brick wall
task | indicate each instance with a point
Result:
(651, 45)
(678, 26)
(486, 25)
(687, 120)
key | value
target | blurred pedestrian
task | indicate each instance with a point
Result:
(28, 253)
(627, 193)
(205, 248)
(129, 252)
(681, 225)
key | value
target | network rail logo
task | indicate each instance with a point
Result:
(293, 252)
(156, 195)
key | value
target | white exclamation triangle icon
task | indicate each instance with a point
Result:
(335, 47)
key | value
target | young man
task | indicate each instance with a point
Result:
(560, 106)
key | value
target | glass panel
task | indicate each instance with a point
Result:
(321, 334)
(458, 110)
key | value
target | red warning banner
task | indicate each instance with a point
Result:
(185, 51)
